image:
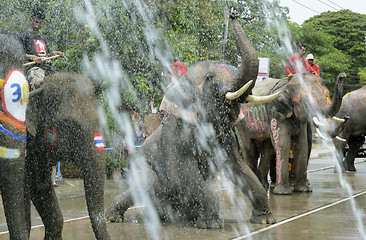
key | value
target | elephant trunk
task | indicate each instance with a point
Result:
(337, 98)
(339, 128)
(12, 55)
(248, 69)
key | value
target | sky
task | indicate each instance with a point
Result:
(301, 10)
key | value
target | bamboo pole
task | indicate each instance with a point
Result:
(44, 59)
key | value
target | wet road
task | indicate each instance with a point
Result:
(326, 213)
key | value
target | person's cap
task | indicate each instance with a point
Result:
(38, 13)
(310, 56)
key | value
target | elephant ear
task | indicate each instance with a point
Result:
(283, 105)
(181, 93)
(33, 111)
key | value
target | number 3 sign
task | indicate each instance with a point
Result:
(15, 95)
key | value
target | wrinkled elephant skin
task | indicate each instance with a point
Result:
(14, 98)
(182, 153)
(278, 126)
(63, 125)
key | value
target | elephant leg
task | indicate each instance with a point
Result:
(119, 206)
(309, 136)
(200, 196)
(122, 202)
(267, 154)
(340, 148)
(251, 155)
(354, 143)
(272, 169)
(244, 178)
(300, 151)
(45, 201)
(12, 193)
(93, 167)
(281, 142)
(250, 151)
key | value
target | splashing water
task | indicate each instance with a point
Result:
(103, 67)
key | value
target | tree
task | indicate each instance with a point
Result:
(141, 41)
(339, 41)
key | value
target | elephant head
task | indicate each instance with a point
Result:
(219, 85)
(313, 85)
(305, 96)
(14, 98)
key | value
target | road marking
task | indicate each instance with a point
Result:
(69, 220)
(331, 167)
(260, 230)
(297, 217)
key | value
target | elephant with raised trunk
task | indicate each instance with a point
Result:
(354, 133)
(63, 125)
(272, 129)
(196, 139)
(14, 99)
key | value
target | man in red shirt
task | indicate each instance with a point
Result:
(298, 64)
(311, 60)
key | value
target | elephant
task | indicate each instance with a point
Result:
(273, 128)
(63, 125)
(14, 100)
(194, 140)
(354, 131)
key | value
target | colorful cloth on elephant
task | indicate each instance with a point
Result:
(9, 153)
(297, 64)
(14, 96)
(12, 135)
(98, 140)
(51, 137)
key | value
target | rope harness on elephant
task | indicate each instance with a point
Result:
(275, 87)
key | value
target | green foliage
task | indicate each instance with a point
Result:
(142, 42)
(113, 163)
(362, 75)
(337, 40)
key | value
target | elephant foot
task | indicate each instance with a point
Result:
(118, 207)
(349, 167)
(282, 190)
(303, 188)
(262, 217)
(209, 223)
(292, 181)
(114, 216)
(265, 184)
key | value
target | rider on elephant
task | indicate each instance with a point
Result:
(298, 63)
(36, 49)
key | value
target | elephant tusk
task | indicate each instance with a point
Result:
(321, 135)
(340, 139)
(262, 99)
(340, 120)
(235, 95)
(317, 122)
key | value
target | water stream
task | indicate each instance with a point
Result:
(105, 68)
